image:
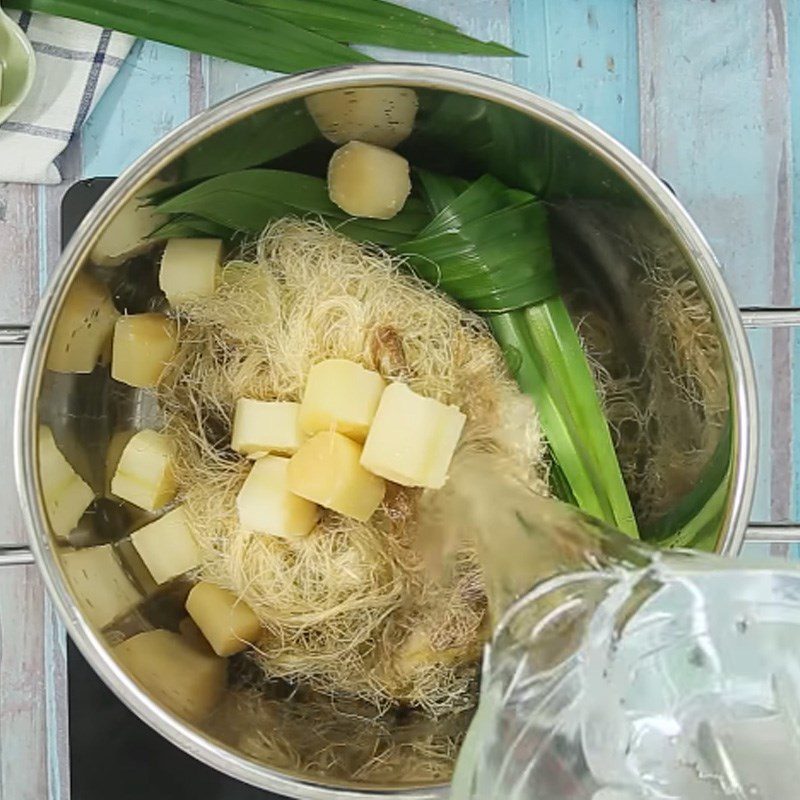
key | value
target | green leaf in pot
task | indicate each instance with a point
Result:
(489, 249)
(247, 200)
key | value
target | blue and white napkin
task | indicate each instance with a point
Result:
(75, 62)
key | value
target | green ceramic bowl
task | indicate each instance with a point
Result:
(18, 63)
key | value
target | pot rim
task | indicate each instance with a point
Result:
(648, 186)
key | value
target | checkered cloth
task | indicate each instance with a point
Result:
(75, 62)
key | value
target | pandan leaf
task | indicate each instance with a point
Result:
(187, 226)
(376, 22)
(247, 200)
(438, 191)
(280, 35)
(489, 249)
(218, 27)
(255, 140)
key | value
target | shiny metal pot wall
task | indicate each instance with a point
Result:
(601, 196)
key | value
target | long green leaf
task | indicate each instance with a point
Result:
(559, 345)
(257, 139)
(536, 378)
(376, 22)
(438, 191)
(246, 201)
(217, 27)
(187, 226)
(489, 248)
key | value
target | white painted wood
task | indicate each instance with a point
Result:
(23, 734)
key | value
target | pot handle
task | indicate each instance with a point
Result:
(14, 555)
(772, 317)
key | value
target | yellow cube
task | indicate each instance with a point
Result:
(266, 505)
(368, 181)
(190, 268)
(83, 328)
(326, 470)
(143, 345)
(167, 546)
(382, 115)
(129, 231)
(184, 677)
(66, 495)
(227, 622)
(261, 427)
(412, 438)
(144, 474)
(340, 396)
(101, 587)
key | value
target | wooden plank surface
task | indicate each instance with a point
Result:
(715, 125)
(582, 54)
(23, 732)
(701, 89)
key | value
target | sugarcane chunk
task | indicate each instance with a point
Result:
(190, 269)
(83, 328)
(227, 622)
(66, 495)
(144, 474)
(266, 505)
(99, 583)
(143, 346)
(185, 678)
(382, 115)
(326, 470)
(187, 628)
(340, 396)
(368, 181)
(412, 438)
(167, 546)
(129, 231)
(261, 427)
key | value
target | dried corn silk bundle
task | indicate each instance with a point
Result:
(351, 610)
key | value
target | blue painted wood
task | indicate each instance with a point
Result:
(714, 124)
(148, 98)
(582, 54)
(486, 19)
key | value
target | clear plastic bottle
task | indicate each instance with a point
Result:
(625, 673)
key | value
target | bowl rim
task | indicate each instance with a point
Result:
(635, 173)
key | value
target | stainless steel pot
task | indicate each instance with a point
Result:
(590, 172)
